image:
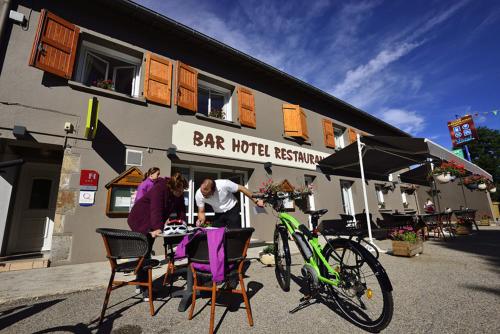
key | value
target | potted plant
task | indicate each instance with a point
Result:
(481, 185)
(491, 186)
(447, 170)
(217, 113)
(104, 84)
(485, 220)
(406, 205)
(381, 205)
(267, 255)
(405, 242)
(471, 181)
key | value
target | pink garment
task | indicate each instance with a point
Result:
(143, 188)
(216, 254)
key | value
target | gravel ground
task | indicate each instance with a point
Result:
(453, 287)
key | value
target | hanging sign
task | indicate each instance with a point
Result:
(92, 118)
(462, 131)
(89, 179)
(198, 139)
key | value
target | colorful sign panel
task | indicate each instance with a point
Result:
(89, 179)
(462, 130)
(459, 153)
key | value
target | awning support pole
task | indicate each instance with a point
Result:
(365, 198)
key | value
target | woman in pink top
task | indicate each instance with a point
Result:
(149, 181)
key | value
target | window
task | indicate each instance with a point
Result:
(347, 200)
(380, 196)
(106, 68)
(339, 137)
(404, 199)
(214, 101)
(40, 194)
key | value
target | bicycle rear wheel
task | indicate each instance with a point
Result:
(364, 294)
(282, 257)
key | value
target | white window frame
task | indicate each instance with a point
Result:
(191, 214)
(380, 194)
(221, 90)
(89, 53)
(347, 198)
(339, 141)
(87, 47)
(309, 180)
(404, 198)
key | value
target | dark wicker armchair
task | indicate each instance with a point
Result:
(124, 244)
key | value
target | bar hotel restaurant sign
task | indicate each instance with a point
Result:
(462, 130)
(193, 138)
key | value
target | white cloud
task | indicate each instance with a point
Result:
(408, 121)
(355, 78)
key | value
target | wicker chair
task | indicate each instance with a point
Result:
(124, 244)
(235, 248)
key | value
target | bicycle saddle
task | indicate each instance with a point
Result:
(318, 213)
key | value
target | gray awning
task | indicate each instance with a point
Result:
(383, 155)
(417, 175)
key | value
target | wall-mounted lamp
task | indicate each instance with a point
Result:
(19, 131)
(172, 153)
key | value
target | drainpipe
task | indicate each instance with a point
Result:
(4, 14)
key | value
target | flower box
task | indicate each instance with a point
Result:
(406, 248)
(484, 222)
(266, 259)
(443, 178)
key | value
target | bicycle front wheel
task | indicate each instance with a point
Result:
(364, 294)
(282, 257)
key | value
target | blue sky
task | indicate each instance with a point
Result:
(414, 64)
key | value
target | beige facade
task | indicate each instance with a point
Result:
(42, 103)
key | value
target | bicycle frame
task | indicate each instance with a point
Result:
(317, 260)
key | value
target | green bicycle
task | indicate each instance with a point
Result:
(341, 270)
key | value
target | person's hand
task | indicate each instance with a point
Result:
(259, 203)
(199, 222)
(155, 233)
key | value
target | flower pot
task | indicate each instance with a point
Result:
(493, 190)
(463, 229)
(266, 259)
(406, 248)
(481, 186)
(471, 186)
(484, 222)
(443, 178)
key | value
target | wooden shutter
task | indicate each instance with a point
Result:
(54, 48)
(187, 87)
(352, 135)
(295, 121)
(246, 107)
(328, 133)
(158, 79)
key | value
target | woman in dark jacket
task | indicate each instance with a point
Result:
(150, 213)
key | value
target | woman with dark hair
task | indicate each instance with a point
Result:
(149, 181)
(150, 213)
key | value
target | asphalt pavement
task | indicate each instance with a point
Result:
(453, 287)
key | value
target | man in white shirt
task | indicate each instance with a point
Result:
(219, 194)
